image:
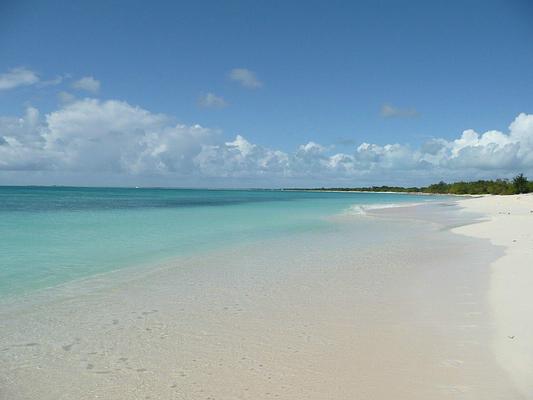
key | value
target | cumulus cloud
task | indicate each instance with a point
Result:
(114, 137)
(17, 77)
(389, 111)
(87, 83)
(211, 100)
(240, 158)
(245, 77)
(108, 136)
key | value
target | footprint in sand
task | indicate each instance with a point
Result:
(452, 363)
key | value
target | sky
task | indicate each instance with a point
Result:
(264, 94)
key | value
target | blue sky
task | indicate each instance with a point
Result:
(337, 74)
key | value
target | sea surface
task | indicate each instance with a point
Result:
(53, 235)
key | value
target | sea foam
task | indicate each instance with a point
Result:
(362, 209)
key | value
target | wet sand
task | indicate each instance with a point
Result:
(397, 308)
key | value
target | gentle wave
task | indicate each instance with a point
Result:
(361, 209)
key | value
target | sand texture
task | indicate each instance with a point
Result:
(509, 224)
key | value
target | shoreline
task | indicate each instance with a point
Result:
(509, 224)
(386, 192)
(369, 191)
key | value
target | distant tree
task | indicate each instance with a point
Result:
(520, 184)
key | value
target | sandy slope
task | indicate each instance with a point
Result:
(509, 223)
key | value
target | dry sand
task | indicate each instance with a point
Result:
(509, 223)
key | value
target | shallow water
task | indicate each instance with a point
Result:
(52, 235)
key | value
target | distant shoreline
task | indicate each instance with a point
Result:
(518, 185)
(385, 192)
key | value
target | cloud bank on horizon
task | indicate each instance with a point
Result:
(99, 137)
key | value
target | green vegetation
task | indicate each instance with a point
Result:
(519, 184)
(498, 186)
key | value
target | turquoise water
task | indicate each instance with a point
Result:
(51, 235)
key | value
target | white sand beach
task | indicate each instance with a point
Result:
(421, 313)
(509, 224)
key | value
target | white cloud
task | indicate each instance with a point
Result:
(211, 100)
(66, 97)
(17, 77)
(389, 111)
(103, 136)
(245, 77)
(87, 83)
(240, 158)
(52, 82)
(113, 137)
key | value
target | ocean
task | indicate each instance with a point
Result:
(53, 235)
